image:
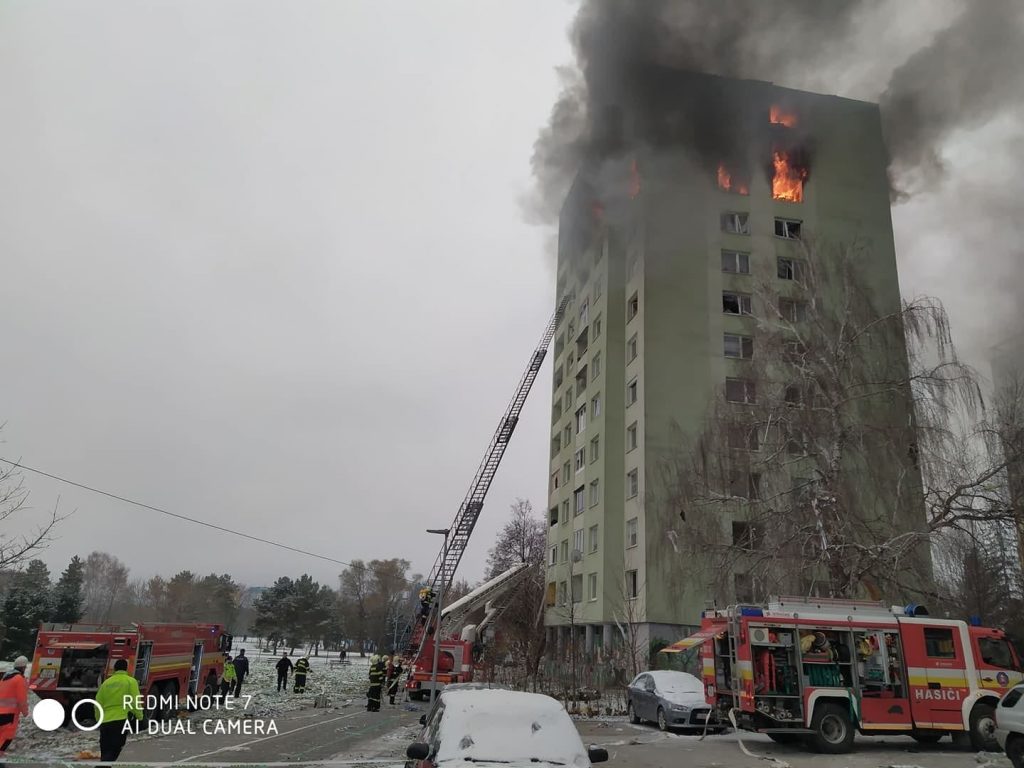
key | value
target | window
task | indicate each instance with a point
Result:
(582, 343)
(736, 303)
(595, 406)
(580, 460)
(554, 481)
(790, 269)
(631, 532)
(736, 262)
(561, 593)
(788, 228)
(559, 345)
(739, 347)
(558, 376)
(584, 313)
(565, 550)
(743, 583)
(556, 411)
(592, 586)
(566, 473)
(736, 223)
(569, 398)
(745, 536)
(567, 435)
(631, 395)
(793, 350)
(581, 418)
(633, 307)
(595, 495)
(577, 541)
(1012, 697)
(632, 349)
(745, 485)
(577, 588)
(938, 643)
(793, 311)
(996, 652)
(578, 500)
(553, 556)
(595, 449)
(553, 515)
(796, 442)
(565, 511)
(597, 289)
(742, 437)
(631, 436)
(740, 391)
(593, 538)
(556, 445)
(581, 381)
(632, 484)
(793, 395)
(632, 586)
(597, 326)
(595, 366)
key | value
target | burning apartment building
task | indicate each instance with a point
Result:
(687, 198)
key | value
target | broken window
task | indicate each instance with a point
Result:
(632, 535)
(793, 311)
(580, 459)
(731, 180)
(582, 343)
(746, 535)
(632, 484)
(740, 391)
(632, 585)
(595, 498)
(581, 381)
(553, 516)
(631, 437)
(581, 418)
(742, 437)
(793, 395)
(790, 269)
(745, 485)
(632, 307)
(631, 392)
(736, 303)
(788, 228)
(578, 501)
(554, 481)
(796, 442)
(740, 347)
(736, 223)
(736, 262)
(632, 349)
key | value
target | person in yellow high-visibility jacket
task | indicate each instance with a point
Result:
(227, 683)
(118, 712)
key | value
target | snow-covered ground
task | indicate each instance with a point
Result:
(345, 686)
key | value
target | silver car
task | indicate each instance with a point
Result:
(1010, 725)
(670, 699)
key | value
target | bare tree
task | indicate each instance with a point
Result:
(629, 652)
(16, 550)
(846, 438)
(104, 585)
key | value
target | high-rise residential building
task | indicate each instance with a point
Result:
(660, 251)
(1008, 380)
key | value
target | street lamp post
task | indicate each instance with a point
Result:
(438, 605)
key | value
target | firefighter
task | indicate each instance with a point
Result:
(13, 702)
(376, 682)
(115, 719)
(227, 682)
(242, 672)
(426, 598)
(301, 670)
(284, 666)
(394, 678)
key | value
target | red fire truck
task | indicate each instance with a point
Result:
(168, 660)
(816, 670)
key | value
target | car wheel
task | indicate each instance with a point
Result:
(632, 714)
(1015, 751)
(833, 731)
(983, 728)
(662, 722)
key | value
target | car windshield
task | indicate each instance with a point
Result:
(677, 682)
(508, 727)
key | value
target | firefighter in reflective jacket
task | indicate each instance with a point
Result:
(13, 702)
(116, 719)
(377, 673)
(394, 677)
(301, 670)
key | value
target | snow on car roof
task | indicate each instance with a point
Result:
(508, 726)
(672, 680)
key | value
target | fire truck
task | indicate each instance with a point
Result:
(168, 660)
(461, 649)
(816, 670)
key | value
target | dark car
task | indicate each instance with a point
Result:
(670, 699)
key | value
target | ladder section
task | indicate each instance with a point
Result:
(469, 511)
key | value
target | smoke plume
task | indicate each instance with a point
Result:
(945, 74)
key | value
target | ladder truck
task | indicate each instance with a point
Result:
(416, 637)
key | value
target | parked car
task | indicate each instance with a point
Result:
(670, 699)
(1010, 725)
(496, 726)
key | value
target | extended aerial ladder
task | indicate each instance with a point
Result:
(448, 559)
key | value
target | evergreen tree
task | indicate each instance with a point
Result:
(27, 604)
(67, 596)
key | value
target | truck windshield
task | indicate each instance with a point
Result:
(996, 651)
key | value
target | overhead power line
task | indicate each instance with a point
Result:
(186, 518)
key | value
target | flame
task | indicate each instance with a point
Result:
(634, 180)
(726, 183)
(788, 180)
(778, 117)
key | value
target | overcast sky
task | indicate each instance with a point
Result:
(265, 264)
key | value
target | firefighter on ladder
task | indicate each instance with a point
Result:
(301, 670)
(13, 703)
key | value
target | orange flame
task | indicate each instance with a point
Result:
(726, 183)
(788, 181)
(634, 180)
(778, 117)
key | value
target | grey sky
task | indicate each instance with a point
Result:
(266, 264)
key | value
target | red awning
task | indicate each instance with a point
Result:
(696, 638)
(79, 645)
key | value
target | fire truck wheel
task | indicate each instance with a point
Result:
(833, 731)
(632, 714)
(983, 728)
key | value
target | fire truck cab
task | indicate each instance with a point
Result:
(168, 660)
(816, 670)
